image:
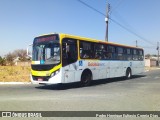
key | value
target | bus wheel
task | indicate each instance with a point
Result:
(86, 78)
(128, 73)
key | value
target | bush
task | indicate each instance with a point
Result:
(2, 61)
(9, 59)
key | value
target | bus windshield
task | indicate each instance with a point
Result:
(46, 52)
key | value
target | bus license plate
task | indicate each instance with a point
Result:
(40, 79)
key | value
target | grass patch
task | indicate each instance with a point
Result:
(15, 73)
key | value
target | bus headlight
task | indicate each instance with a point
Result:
(55, 73)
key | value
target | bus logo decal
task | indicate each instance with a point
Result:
(95, 64)
(130, 64)
(80, 63)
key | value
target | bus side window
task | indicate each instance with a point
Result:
(86, 50)
(109, 52)
(100, 51)
(120, 53)
(128, 54)
(140, 55)
(112, 52)
(135, 54)
(69, 51)
(105, 52)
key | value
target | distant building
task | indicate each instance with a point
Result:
(17, 62)
(151, 62)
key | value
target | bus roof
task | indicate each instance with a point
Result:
(62, 35)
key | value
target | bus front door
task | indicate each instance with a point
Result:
(69, 59)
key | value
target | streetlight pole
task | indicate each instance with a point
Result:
(28, 49)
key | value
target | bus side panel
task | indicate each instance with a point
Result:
(100, 69)
(137, 67)
(126, 64)
(104, 70)
(91, 65)
(116, 69)
(71, 73)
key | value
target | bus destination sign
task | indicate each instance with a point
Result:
(46, 38)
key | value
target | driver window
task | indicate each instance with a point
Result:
(69, 51)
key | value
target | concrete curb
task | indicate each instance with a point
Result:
(14, 83)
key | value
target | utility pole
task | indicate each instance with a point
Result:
(136, 43)
(106, 20)
(158, 52)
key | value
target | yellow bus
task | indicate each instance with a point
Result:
(62, 58)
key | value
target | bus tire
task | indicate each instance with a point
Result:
(86, 77)
(128, 73)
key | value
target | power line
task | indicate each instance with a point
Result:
(123, 21)
(122, 26)
(134, 33)
(118, 4)
(91, 7)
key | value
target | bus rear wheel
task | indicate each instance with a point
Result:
(128, 73)
(86, 78)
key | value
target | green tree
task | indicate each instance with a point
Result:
(2, 61)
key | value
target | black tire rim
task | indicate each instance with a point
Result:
(128, 74)
(86, 79)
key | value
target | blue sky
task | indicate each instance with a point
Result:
(22, 20)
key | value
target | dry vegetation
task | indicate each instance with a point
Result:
(14, 74)
(22, 73)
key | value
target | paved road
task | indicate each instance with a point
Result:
(138, 94)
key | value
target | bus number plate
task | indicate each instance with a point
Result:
(40, 79)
